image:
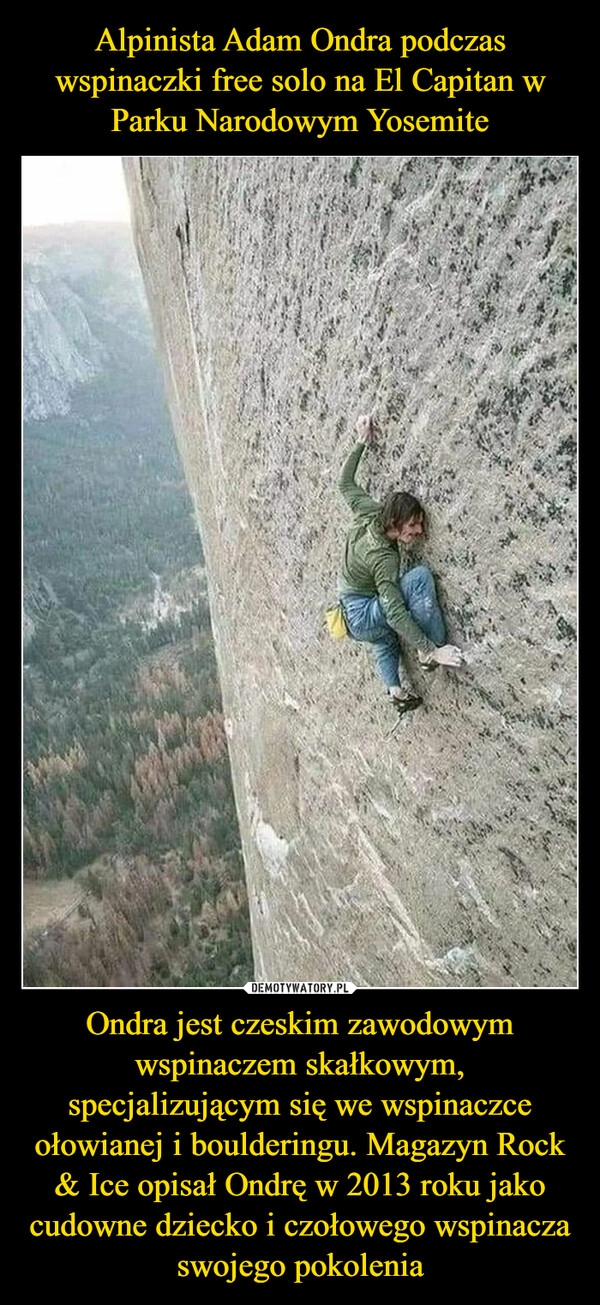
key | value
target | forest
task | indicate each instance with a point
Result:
(127, 787)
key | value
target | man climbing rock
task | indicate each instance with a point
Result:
(385, 601)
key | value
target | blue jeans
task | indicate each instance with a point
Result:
(366, 621)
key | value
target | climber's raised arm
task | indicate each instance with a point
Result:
(356, 497)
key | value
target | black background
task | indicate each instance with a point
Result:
(54, 1057)
(539, 1062)
(520, 122)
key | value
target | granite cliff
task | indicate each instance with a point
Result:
(290, 294)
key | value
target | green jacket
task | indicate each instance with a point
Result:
(373, 563)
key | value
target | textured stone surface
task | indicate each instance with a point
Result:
(289, 295)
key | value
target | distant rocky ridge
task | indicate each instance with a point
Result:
(38, 597)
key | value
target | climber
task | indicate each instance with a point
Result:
(384, 600)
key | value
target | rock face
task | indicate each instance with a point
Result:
(289, 295)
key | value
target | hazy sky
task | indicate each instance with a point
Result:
(73, 189)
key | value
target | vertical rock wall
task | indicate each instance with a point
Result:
(289, 295)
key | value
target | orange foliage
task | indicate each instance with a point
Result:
(54, 765)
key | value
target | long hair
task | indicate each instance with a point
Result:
(400, 508)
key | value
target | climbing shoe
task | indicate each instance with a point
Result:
(408, 702)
